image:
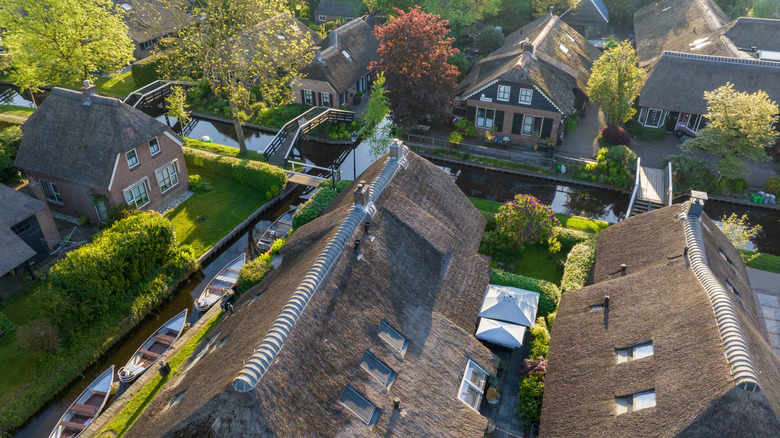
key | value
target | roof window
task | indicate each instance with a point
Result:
(221, 341)
(347, 55)
(570, 37)
(473, 385)
(376, 368)
(597, 307)
(126, 6)
(176, 398)
(565, 50)
(635, 402)
(392, 337)
(725, 257)
(730, 287)
(633, 353)
(358, 405)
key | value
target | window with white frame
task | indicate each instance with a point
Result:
(635, 402)
(634, 353)
(532, 125)
(322, 18)
(525, 95)
(51, 192)
(154, 146)
(132, 158)
(473, 385)
(137, 195)
(485, 117)
(308, 97)
(325, 98)
(651, 118)
(167, 177)
(503, 92)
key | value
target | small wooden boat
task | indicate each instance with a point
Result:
(220, 284)
(85, 408)
(154, 347)
(279, 229)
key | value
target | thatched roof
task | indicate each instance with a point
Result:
(670, 86)
(16, 207)
(589, 13)
(357, 39)
(659, 299)
(761, 33)
(533, 55)
(149, 19)
(341, 8)
(79, 143)
(421, 274)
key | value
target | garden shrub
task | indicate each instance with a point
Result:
(549, 294)
(466, 128)
(689, 174)
(526, 220)
(10, 138)
(614, 165)
(278, 116)
(144, 71)
(455, 137)
(119, 212)
(570, 124)
(197, 184)
(265, 177)
(196, 94)
(578, 264)
(317, 203)
(40, 336)
(498, 246)
(540, 338)
(253, 273)
(773, 185)
(6, 325)
(615, 135)
(531, 392)
(568, 237)
(551, 320)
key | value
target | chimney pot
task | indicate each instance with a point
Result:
(396, 403)
(551, 10)
(606, 302)
(87, 91)
(357, 245)
(396, 148)
(622, 267)
(696, 204)
(366, 226)
(361, 194)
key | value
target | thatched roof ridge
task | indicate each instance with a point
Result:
(658, 299)
(669, 86)
(78, 143)
(421, 274)
(16, 207)
(545, 65)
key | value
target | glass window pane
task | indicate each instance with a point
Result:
(643, 350)
(469, 395)
(475, 375)
(154, 146)
(644, 400)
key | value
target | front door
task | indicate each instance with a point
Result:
(671, 122)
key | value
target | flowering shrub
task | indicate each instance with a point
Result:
(526, 220)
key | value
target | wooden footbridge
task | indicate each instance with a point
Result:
(149, 94)
(652, 189)
(288, 138)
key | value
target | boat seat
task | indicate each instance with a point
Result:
(164, 338)
(218, 289)
(87, 410)
(148, 353)
(233, 270)
(97, 392)
(72, 425)
(229, 280)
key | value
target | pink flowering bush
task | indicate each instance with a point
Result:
(526, 220)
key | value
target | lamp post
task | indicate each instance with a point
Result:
(354, 138)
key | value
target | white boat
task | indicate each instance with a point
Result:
(85, 408)
(154, 347)
(220, 284)
(279, 229)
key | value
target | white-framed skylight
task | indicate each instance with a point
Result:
(347, 55)
(472, 385)
(359, 405)
(381, 372)
(126, 6)
(392, 337)
(634, 402)
(565, 50)
(634, 353)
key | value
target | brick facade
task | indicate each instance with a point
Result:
(509, 118)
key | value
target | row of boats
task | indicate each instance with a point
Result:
(92, 400)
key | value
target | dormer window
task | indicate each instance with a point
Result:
(503, 93)
(635, 402)
(154, 146)
(525, 96)
(132, 158)
(730, 287)
(634, 353)
(176, 398)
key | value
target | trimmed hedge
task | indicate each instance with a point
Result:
(578, 264)
(530, 393)
(253, 272)
(549, 294)
(540, 339)
(319, 201)
(144, 71)
(568, 237)
(254, 174)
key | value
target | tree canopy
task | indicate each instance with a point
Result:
(614, 83)
(738, 125)
(413, 50)
(541, 7)
(63, 41)
(376, 128)
(461, 12)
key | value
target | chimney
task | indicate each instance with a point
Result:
(362, 196)
(606, 302)
(753, 49)
(335, 33)
(366, 226)
(397, 403)
(622, 267)
(396, 149)
(318, 54)
(357, 245)
(551, 10)
(528, 46)
(87, 91)
(696, 204)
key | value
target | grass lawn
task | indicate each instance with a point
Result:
(13, 110)
(223, 150)
(222, 209)
(119, 86)
(764, 262)
(135, 407)
(567, 221)
(537, 262)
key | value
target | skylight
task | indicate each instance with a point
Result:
(565, 50)
(636, 352)
(472, 385)
(635, 402)
(126, 6)
(176, 398)
(701, 42)
(725, 257)
(358, 405)
(392, 337)
(221, 341)
(376, 368)
(347, 55)
(570, 37)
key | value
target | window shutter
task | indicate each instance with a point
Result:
(303, 97)
(499, 121)
(471, 113)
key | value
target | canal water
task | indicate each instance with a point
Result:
(570, 199)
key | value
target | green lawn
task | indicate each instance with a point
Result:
(764, 262)
(567, 221)
(222, 150)
(13, 110)
(220, 209)
(119, 86)
(538, 262)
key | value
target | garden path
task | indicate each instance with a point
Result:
(766, 290)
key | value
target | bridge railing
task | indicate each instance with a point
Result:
(154, 90)
(636, 187)
(280, 136)
(669, 191)
(330, 115)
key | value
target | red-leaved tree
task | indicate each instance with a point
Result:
(413, 53)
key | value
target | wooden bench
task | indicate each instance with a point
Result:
(148, 353)
(233, 270)
(72, 425)
(164, 338)
(87, 410)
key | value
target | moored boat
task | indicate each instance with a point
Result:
(220, 284)
(154, 347)
(85, 408)
(279, 229)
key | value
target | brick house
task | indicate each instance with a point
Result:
(526, 88)
(90, 152)
(339, 69)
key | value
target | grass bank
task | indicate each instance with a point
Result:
(223, 150)
(14, 110)
(764, 262)
(119, 86)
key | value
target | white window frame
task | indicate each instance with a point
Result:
(647, 112)
(134, 201)
(533, 123)
(630, 403)
(308, 97)
(51, 191)
(636, 352)
(322, 18)
(529, 92)
(466, 383)
(504, 90)
(127, 157)
(171, 176)
(157, 143)
(485, 118)
(325, 99)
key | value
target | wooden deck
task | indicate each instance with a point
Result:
(651, 185)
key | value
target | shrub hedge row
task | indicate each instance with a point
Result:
(261, 176)
(319, 201)
(578, 264)
(144, 71)
(253, 272)
(549, 294)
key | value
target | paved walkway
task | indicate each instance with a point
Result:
(766, 290)
(582, 142)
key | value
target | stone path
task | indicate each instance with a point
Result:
(507, 423)
(766, 289)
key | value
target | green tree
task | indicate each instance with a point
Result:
(387, 7)
(614, 83)
(738, 229)
(461, 12)
(63, 41)
(377, 129)
(526, 220)
(739, 126)
(462, 63)
(489, 40)
(542, 7)
(239, 45)
(177, 106)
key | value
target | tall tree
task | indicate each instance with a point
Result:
(738, 126)
(63, 41)
(614, 83)
(387, 7)
(413, 52)
(541, 7)
(376, 128)
(239, 45)
(177, 107)
(461, 12)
